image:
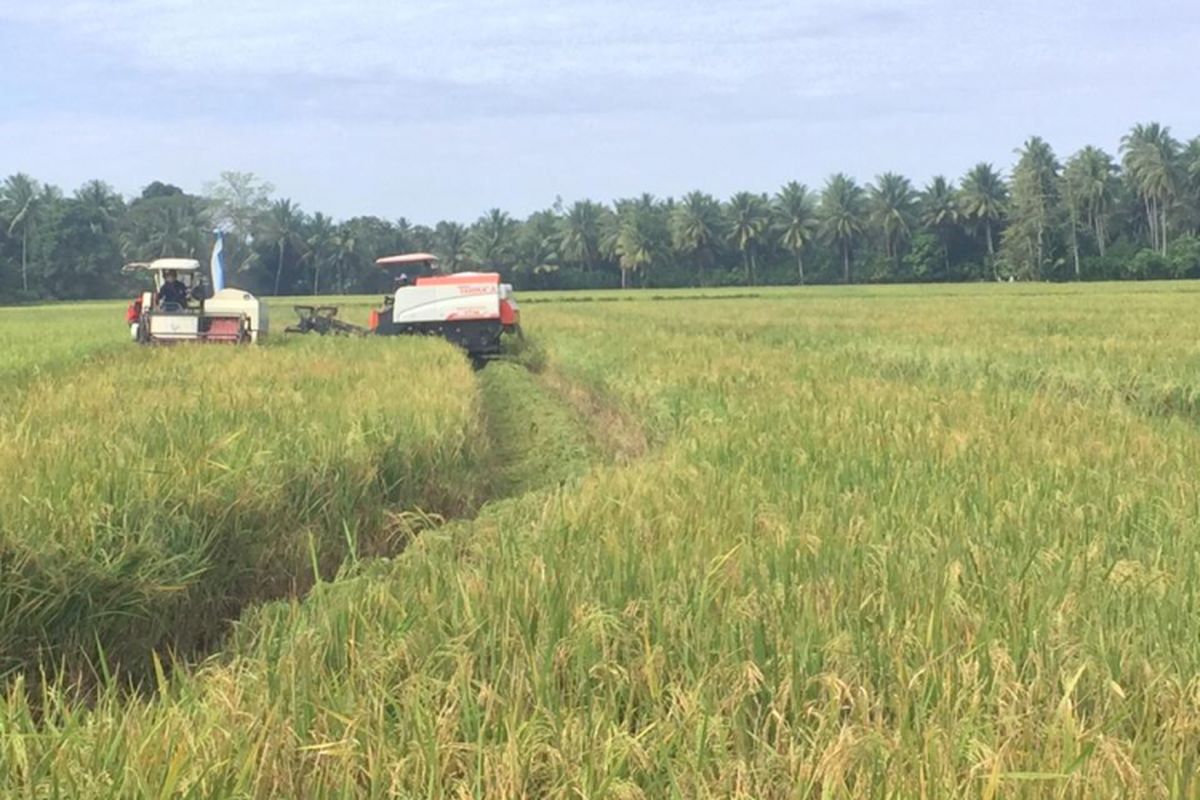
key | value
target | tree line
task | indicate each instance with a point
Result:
(1094, 216)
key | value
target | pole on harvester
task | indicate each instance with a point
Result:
(217, 262)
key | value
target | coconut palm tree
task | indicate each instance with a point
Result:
(939, 212)
(19, 199)
(320, 246)
(580, 233)
(492, 240)
(696, 226)
(843, 216)
(450, 244)
(1189, 161)
(344, 246)
(100, 202)
(282, 228)
(893, 209)
(796, 220)
(1035, 210)
(983, 199)
(1091, 183)
(1150, 156)
(174, 229)
(633, 238)
(538, 242)
(747, 219)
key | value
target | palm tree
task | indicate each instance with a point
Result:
(983, 199)
(796, 219)
(842, 216)
(940, 212)
(20, 203)
(1034, 210)
(579, 241)
(1150, 157)
(1090, 183)
(633, 238)
(174, 228)
(538, 242)
(1190, 165)
(404, 236)
(343, 246)
(320, 246)
(748, 216)
(492, 241)
(696, 226)
(281, 227)
(450, 244)
(100, 202)
(893, 206)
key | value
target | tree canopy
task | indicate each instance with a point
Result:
(1090, 215)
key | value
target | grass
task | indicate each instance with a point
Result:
(889, 543)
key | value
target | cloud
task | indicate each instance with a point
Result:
(610, 97)
(471, 42)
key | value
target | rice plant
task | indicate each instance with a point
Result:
(893, 542)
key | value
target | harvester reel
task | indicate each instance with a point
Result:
(323, 320)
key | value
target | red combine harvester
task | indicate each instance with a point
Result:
(471, 309)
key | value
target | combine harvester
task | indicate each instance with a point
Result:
(227, 315)
(471, 309)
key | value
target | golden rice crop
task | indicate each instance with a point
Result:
(145, 497)
(884, 543)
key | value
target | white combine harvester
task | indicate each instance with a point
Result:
(228, 315)
(471, 309)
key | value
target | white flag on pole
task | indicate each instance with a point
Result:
(217, 265)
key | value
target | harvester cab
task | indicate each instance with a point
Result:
(182, 308)
(472, 309)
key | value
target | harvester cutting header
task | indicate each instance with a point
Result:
(471, 309)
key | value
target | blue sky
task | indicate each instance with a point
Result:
(442, 110)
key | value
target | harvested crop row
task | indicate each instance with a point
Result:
(145, 500)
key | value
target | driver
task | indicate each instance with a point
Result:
(173, 290)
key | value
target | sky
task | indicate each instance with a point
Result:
(433, 110)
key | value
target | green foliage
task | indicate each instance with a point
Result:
(843, 217)
(796, 221)
(492, 242)
(1045, 221)
(1035, 212)
(696, 230)
(747, 220)
(984, 201)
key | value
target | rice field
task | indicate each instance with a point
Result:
(882, 542)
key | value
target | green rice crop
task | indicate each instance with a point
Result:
(145, 498)
(44, 340)
(889, 542)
